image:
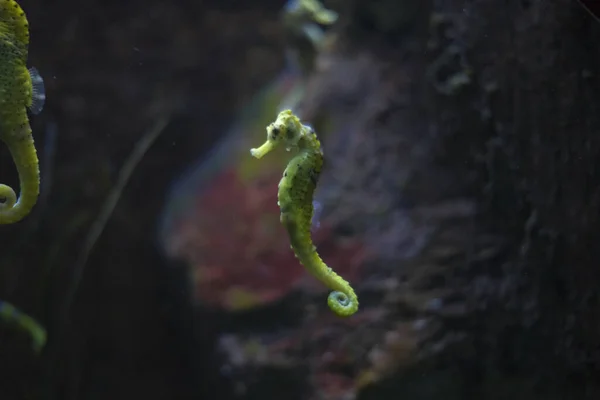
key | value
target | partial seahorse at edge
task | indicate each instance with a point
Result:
(12, 316)
(20, 89)
(295, 199)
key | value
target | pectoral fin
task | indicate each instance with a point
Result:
(38, 98)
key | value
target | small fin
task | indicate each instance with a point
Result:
(38, 98)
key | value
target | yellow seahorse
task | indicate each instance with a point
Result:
(20, 89)
(295, 196)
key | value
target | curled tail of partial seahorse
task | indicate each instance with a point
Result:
(23, 153)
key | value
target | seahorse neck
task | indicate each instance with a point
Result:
(309, 141)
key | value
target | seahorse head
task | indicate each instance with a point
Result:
(286, 130)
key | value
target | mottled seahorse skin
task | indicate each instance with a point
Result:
(20, 89)
(296, 190)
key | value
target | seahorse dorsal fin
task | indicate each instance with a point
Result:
(38, 98)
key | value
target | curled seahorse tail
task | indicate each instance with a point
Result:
(343, 304)
(342, 300)
(24, 155)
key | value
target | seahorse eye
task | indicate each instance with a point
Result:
(275, 132)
